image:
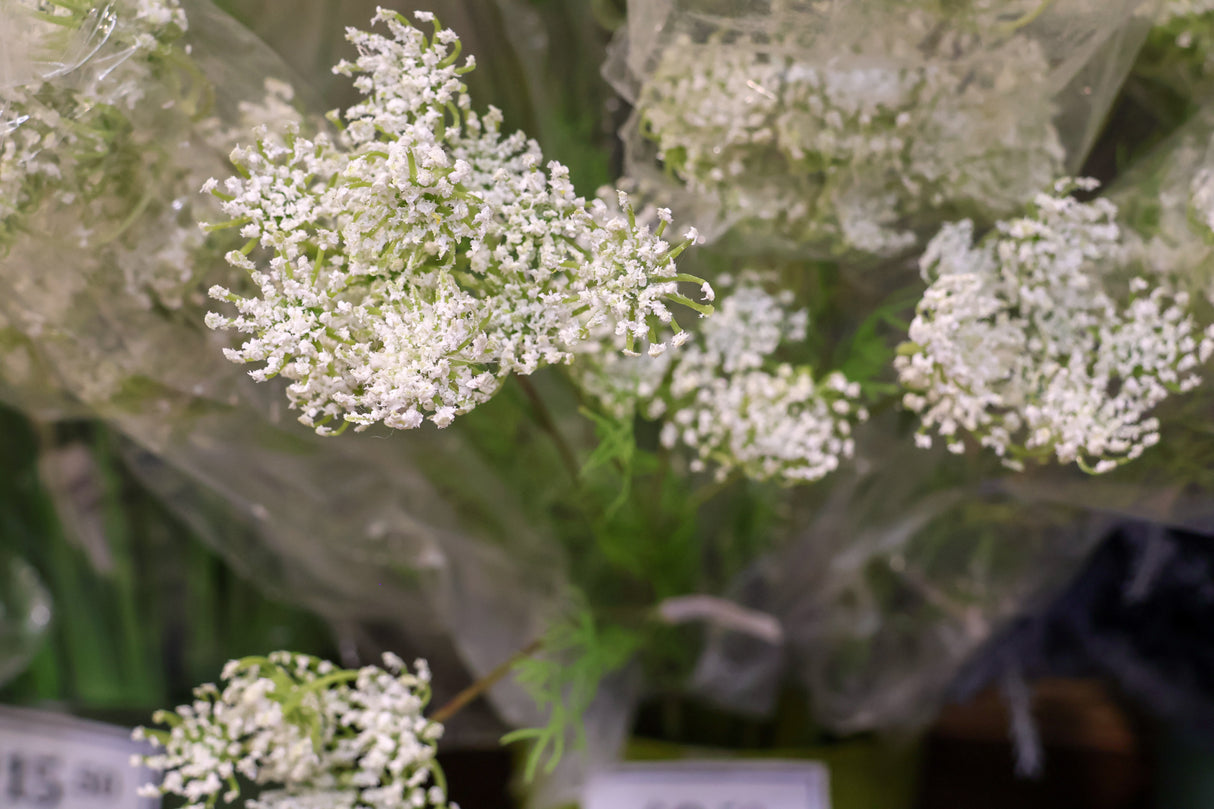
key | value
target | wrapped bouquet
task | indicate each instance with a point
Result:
(868, 399)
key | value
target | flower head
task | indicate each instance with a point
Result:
(423, 256)
(1019, 342)
(315, 735)
(727, 398)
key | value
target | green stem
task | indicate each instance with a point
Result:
(702, 308)
(319, 684)
(682, 278)
(235, 223)
(460, 700)
(451, 57)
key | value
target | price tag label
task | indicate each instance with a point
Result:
(729, 784)
(50, 761)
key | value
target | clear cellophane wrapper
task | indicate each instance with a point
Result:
(851, 129)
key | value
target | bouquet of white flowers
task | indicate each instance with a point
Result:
(614, 446)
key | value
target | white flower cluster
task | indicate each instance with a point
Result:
(315, 735)
(853, 151)
(726, 398)
(739, 410)
(422, 257)
(1019, 342)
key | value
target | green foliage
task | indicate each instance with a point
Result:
(642, 518)
(577, 654)
(616, 449)
(1174, 68)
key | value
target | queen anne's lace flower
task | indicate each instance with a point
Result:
(725, 397)
(423, 256)
(1019, 342)
(317, 736)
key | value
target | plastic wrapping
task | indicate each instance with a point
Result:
(907, 570)
(854, 128)
(1136, 615)
(1167, 202)
(895, 577)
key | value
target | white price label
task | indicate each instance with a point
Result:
(51, 761)
(729, 784)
